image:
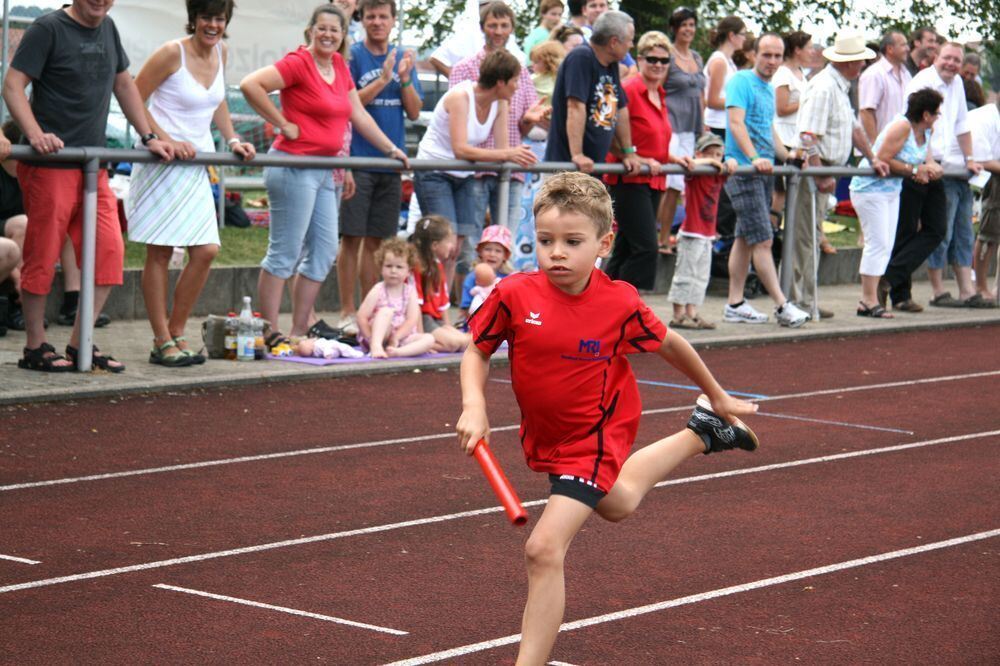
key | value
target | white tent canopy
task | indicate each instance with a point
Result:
(260, 33)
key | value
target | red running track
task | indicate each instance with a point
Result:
(320, 521)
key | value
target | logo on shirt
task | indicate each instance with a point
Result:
(534, 318)
(604, 104)
(592, 347)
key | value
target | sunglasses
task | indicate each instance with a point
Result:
(654, 60)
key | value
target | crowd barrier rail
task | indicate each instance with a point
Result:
(92, 159)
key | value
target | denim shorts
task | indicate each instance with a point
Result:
(303, 227)
(751, 198)
(451, 197)
(956, 248)
(488, 198)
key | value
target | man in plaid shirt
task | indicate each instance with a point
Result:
(497, 23)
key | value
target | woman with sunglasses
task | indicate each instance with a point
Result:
(637, 197)
(685, 87)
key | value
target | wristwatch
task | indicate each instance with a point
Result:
(146, 138)
(914, 170)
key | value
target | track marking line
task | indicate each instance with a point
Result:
(22, 560)
(421, 438)
(844, 424)
(705, 596)
(690, 387)
(283, 609)
(416, 522)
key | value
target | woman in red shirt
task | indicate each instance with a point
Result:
(636, 198)
(318, 98)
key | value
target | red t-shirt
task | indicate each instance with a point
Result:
(579, 401)
(650, 132)
(438, 302)
(701, 205)
(320, 109)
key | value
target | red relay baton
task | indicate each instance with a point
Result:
(501, 486)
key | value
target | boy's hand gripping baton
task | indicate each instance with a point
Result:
(501, 486)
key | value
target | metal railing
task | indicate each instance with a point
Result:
(91, 160)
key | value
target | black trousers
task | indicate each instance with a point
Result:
(922, 227)
(635, 252)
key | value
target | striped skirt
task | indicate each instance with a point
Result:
(172, 205)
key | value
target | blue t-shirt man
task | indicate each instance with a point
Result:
(387, 107)
(583, 77)
(755, 96)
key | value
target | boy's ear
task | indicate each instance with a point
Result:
(605, 244)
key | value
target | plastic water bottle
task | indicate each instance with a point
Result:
(230, 340)
(258, 336)
(244, 333)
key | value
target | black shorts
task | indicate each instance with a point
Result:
(373, 211)
(576, 488)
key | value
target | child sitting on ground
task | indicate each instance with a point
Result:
(434, 241)
(493, 250)
(579, 400)
(389, 317)
(486, 279)
(694, 242)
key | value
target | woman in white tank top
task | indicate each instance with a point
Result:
(171, 205)
(463, 119)
(727, 38)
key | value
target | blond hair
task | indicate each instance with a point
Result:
(549, 54)
(398, 247)
(575, 192)
(651, 40)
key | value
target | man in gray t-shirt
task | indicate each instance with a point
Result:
(74, 60)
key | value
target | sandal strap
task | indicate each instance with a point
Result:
(165, 346)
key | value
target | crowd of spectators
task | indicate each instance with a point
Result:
(572, 92)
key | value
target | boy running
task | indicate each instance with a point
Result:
(569, 328)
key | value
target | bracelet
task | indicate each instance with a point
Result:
(403, 84)
(628, 150)
(970, 158)
(235, 140)
(755, 156)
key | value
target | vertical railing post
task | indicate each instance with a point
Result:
(3, 63)
(90, 171)
(220, 204)
(503, 198)
(788, 239)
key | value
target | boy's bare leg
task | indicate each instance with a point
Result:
(644, 469)
(544, 554)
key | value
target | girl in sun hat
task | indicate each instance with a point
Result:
(493, 249)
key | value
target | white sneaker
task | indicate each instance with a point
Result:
(790, 315)
(348, 325)
(744, 314)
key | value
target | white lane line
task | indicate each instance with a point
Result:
(241, 459)
(283, 609)
(22, 560)
(446, 435)
(705, 596)
(844, 424)
(463, 514)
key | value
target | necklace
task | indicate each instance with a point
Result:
(682, 56)
(323, 69)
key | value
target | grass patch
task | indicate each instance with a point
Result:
(240, 247)
(849, 236)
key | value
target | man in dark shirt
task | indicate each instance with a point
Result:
(588, 103)
(74, 60)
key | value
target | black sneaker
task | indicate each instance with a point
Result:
(323, 330)
(716, 433)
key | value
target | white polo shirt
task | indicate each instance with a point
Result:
(953, 120)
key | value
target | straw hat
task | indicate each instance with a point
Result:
(848, 46)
